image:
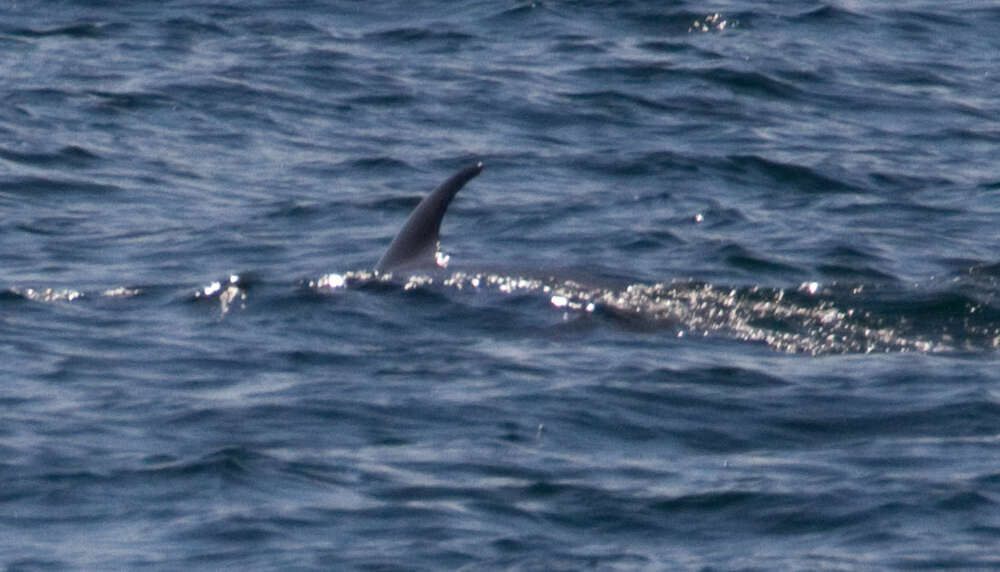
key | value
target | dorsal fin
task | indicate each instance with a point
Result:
(416, 243)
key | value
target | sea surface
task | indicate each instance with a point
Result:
(725, 296)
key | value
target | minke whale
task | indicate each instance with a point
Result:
(416, 244)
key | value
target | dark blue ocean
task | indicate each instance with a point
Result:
(725, 296)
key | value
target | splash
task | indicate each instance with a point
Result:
(811, 318)
(794, 324)
(712, 22)
(46, 294)
(808, 319)
(227, 293)
(68, 294)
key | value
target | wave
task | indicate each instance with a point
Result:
(80, 30)
(69, 156)
(27, 187)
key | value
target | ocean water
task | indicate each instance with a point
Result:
(726, 295)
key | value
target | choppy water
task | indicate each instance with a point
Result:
(726, 295)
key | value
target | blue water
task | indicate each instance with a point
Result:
(725, 296)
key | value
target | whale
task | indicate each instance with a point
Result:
(415, 246)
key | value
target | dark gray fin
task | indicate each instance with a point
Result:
(416, 244)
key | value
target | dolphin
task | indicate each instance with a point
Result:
(416, 244)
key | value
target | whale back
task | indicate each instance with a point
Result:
(416, 243)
